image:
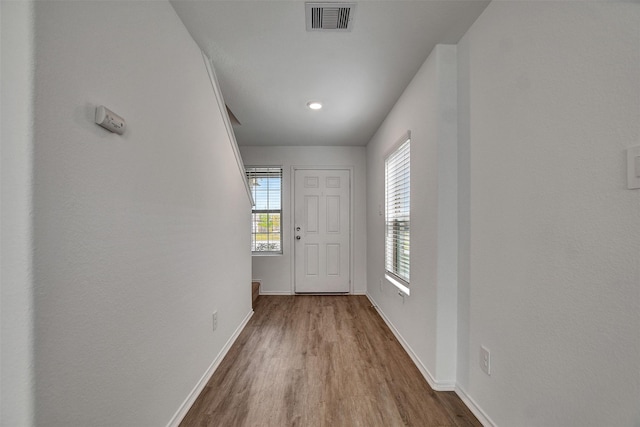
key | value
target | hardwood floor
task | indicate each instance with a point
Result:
(321, 361)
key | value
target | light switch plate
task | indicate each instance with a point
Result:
(633, 167)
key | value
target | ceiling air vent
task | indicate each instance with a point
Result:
(330, 16)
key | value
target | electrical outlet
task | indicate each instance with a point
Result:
(485, 360)
(215, 320)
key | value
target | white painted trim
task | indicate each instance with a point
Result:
(473, 407)
(227, 123)
(191, 398)
(352, 198)
(436, 385)
(17, 261)
(274, 292)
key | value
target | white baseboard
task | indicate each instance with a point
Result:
(473, 407)
(261, 290)
(436, 385)
(275, 292)
(191, 398)
(289, 293)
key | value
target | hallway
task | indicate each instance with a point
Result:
(119, 250)
(321, 361)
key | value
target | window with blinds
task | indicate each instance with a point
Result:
(397, 214)
(266, 188)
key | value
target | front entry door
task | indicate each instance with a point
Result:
(322, 230)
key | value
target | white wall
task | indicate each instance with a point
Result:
(274, 272)
(16, 312)
(425, 320)
(138, 238)
(550, 236)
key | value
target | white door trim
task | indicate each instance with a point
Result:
(292, 198)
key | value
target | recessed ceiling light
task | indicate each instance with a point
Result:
(314, 105)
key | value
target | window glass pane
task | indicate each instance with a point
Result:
(266, 232)
(397, 213)
(266, 192)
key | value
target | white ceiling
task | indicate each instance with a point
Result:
(269, 66)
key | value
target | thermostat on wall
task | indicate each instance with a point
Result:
(110, 120)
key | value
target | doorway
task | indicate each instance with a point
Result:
(322, 230)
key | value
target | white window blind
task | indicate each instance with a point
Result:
(397, 213)
(266, 189)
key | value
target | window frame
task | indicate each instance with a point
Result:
(394, 275)
(256, 169)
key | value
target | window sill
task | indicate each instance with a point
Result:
(266, 253)
(397, 284)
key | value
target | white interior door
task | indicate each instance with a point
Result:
(322, 230)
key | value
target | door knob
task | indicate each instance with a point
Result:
(297, 228)
(297, 237)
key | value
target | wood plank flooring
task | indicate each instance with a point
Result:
(321, 361)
